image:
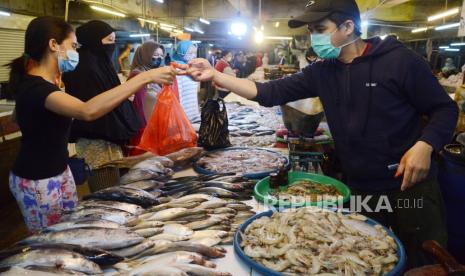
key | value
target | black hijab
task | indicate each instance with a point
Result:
(95, 74)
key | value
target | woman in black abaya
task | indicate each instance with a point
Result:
(99, 141)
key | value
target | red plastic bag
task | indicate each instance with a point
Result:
(169, 129)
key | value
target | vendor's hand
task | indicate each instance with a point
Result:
(201, 70)
(162, 75)
(415, 164)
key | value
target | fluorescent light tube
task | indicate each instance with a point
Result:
(447, 26)
(100, 9)
(443, 14)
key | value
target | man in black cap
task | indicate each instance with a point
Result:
(374, 93)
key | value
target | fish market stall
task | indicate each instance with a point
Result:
(164, 218)
(152, 221)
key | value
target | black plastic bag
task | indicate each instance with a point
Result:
(213, 132)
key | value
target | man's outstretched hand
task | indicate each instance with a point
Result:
(199, 69)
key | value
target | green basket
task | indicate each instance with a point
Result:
(261, 190)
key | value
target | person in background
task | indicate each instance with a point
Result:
(239, 63)
(215, 57)
(41, 180)
(265, 60)
(259, 62)
(167, 59)
(310, 56)
(186, 51)
(123, 60)
(148, 56)
(102, 140)
(281, 58)
(250, 64)
(224, 66)
(449, 68)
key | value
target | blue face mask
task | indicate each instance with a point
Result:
(156, 62)
(69, 64)
(321, 44)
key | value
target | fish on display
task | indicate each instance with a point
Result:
(145, 185)
(40, 271)
(52, 257)
(133, 196)
(214, 191)
(82, 223)
(185, 156)
(135, 175)
(123, 206)
(134, 250)
(98, 256)
(153, 164)
(212, 252)
(114, 215)
(102, 238)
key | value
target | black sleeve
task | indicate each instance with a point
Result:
(429, 98)
(295, 87)
(41, 91)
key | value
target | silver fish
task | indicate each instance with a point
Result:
(187, 205)
(100, 223)
(218, 227)
(211, 204)
(40, 271)
(224, 210)
(145, 185)
(154, 164)
(148, 224)
(169, 237)
(198, 270)
(211, 252)
(209, 233)
(177, 229)
(114, 215)
(193, 198)
(52, 258)
(149, 232)
(134, 250)
(123, 206)
(157, 270)
(208, 241)
(220, 192)
(191, 218)
(197, 225)
(239, 207)
(228, 240)
(173, 213)
(179, 257)
(101, 238)
(135, 175)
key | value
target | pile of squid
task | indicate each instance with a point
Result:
(312, 241)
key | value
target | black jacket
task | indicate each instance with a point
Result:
(374, 107)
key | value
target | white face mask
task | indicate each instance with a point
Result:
(188, 57)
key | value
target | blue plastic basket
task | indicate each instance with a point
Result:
(398, 269)
(258, 175)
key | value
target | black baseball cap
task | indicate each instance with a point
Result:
(317, 10)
